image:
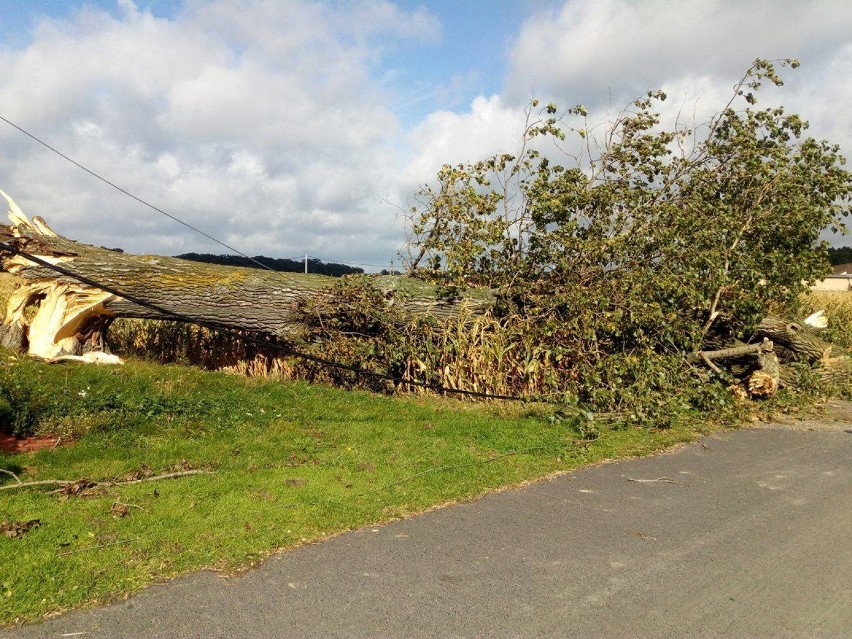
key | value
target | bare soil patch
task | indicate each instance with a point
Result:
(11, 444)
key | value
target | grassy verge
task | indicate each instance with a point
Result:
(291, 463)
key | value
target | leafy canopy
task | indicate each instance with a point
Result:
(641, 237)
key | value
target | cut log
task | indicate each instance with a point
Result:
(52, 314)
(801, 343)
(764, 382)
(765, 375)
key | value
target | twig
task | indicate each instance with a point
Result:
(440, 468)
(113, 543)
(182, 473)
(65, 482)
(414, 476)
(43, 482)
(709, 363)
(641, 536)
(13, 475)
(658, 480)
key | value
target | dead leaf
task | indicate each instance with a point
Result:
(18, 528)
(81, 487)
(142, 472)
(119, 510)
(295, 482)
(185, 465)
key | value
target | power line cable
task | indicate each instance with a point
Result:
(129, 194)
(249, 338)
(331, 260)
(174, 217)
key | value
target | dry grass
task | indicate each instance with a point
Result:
(471, 352)
(178, 342)
(838, 309)
(474, 352)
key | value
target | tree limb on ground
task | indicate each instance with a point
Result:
(760, 383)
(102, 484)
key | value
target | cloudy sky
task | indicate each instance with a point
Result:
(285, 127)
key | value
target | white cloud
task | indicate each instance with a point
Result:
(270, 125)
(489, 126)
(383, 18)
(589, 47)
(257, 121)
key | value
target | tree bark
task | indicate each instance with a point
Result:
(52, 314)
(801, 343)
(763, 380)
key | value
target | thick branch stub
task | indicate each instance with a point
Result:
(762, 382)
(802, 343)
(737, 351)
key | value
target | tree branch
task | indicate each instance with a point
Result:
(66, 482)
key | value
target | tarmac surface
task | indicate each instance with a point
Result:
(743, 534)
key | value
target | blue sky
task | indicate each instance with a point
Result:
(292, 126)
(468, 59)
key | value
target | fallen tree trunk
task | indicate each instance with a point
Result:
(801, 343)
(52, 314)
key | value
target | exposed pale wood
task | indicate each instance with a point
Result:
(764, 382)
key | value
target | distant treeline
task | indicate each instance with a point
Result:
(840, 255)
(288, 266)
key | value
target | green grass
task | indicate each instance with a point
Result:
(291, 463)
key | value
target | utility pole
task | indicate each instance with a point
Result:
(306, 263)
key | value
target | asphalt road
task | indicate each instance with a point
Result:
(747, 534)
